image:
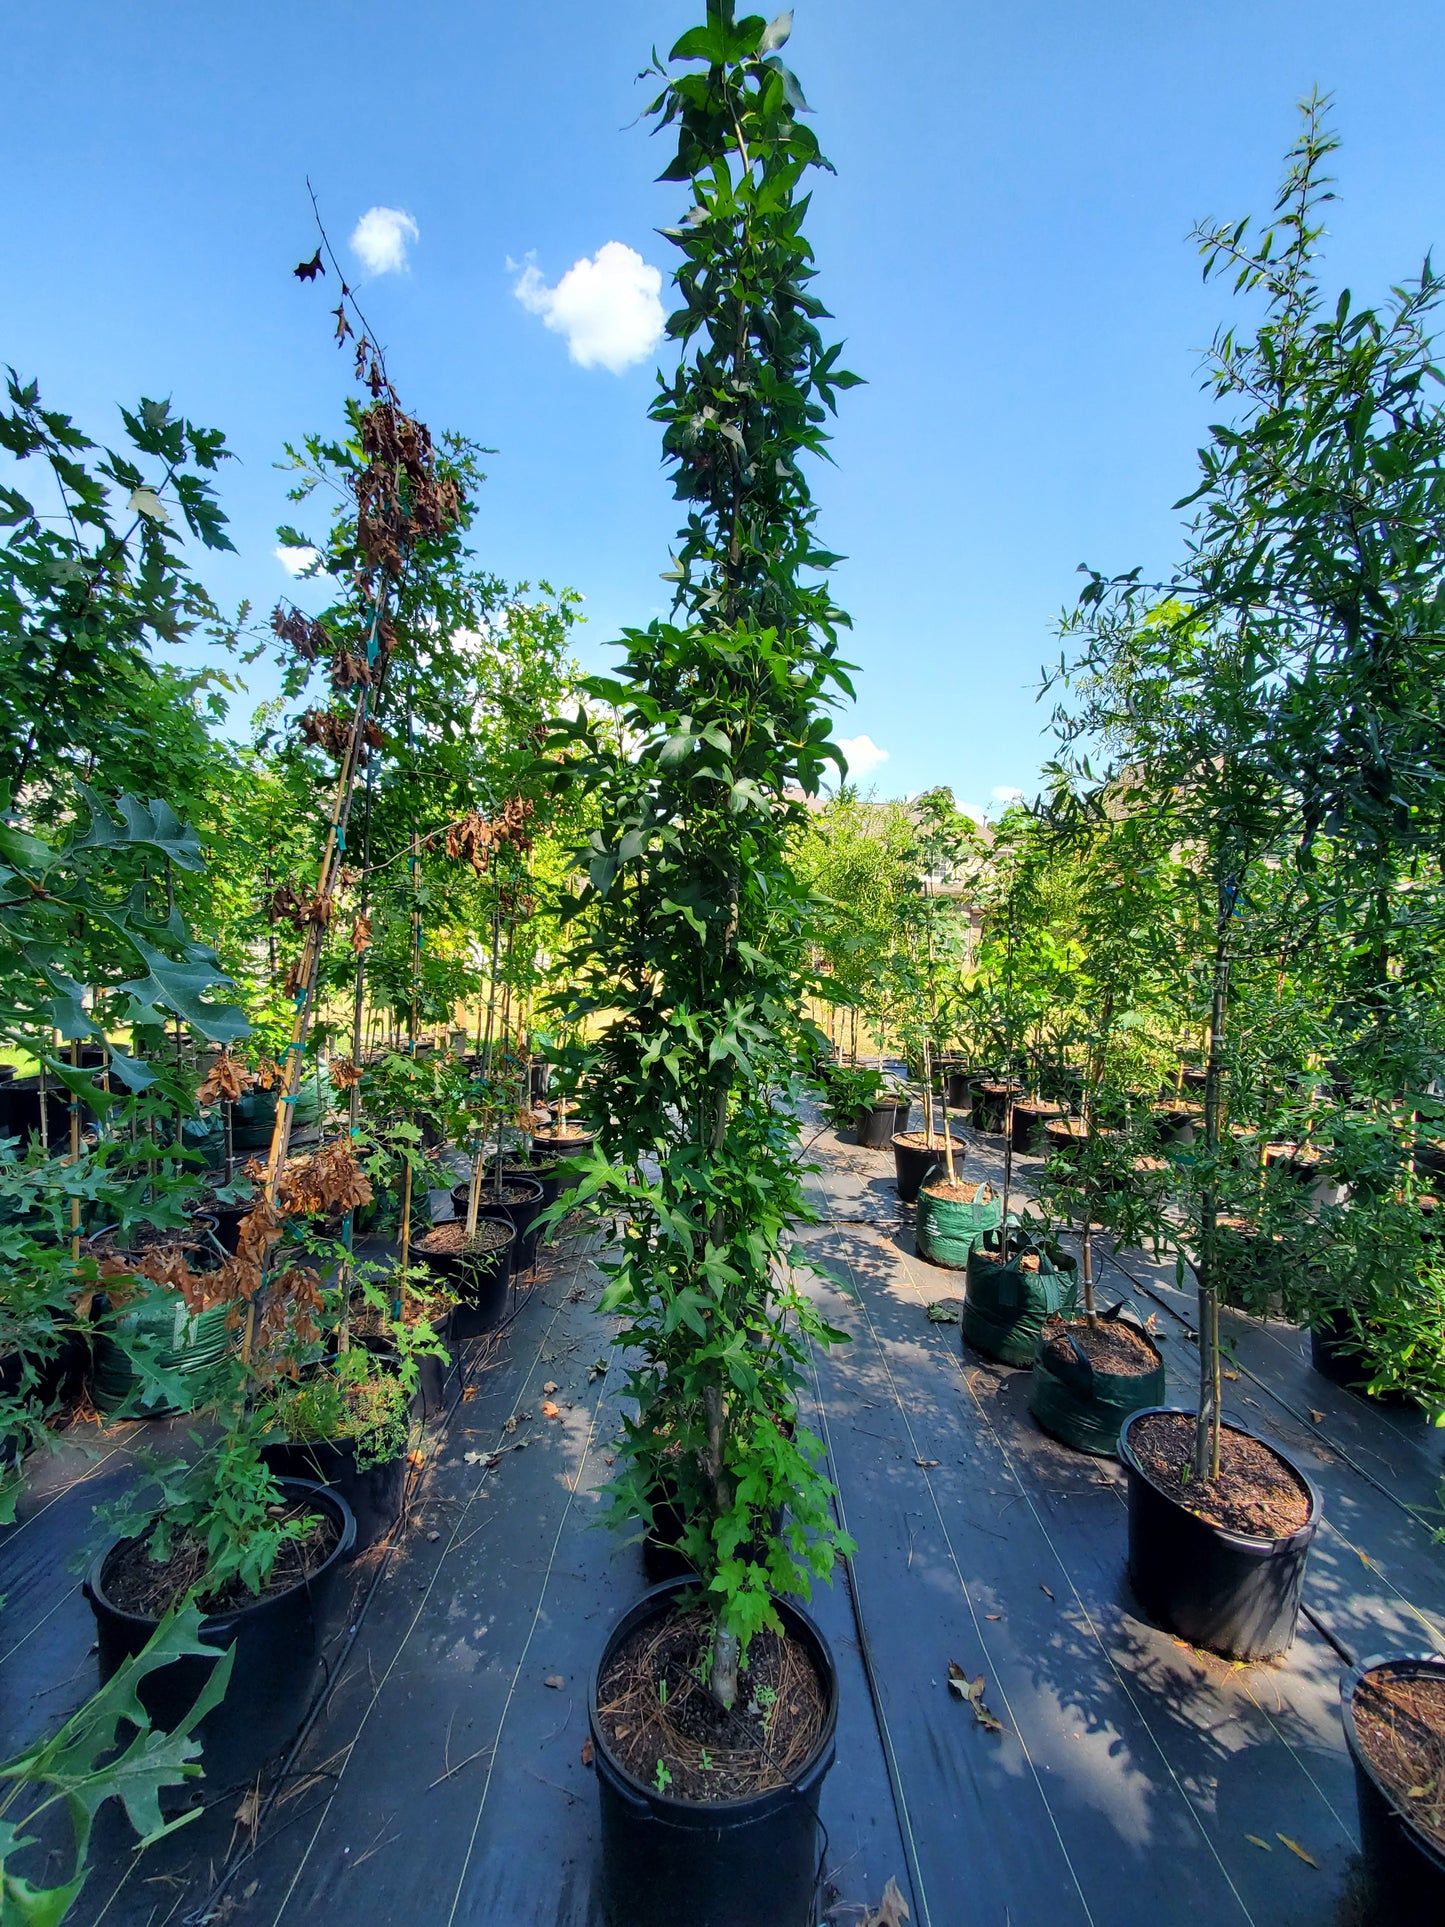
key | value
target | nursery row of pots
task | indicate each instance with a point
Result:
(342, 1494)
(1232, 1587)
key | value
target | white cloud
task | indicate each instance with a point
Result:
(608, 307)
(975, 810)
(1005, 795)
(381, 238)
(294, 561)
(863, 755)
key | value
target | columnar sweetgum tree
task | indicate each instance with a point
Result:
(691, 939)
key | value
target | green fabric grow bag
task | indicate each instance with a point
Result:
(1085, 1407)
(254, 1117)
(1005, 1309)
(192, 1345)
(947, 1231)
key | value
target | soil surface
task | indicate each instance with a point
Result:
(712, 1753)
(568, 1136)
(918, 1140)
(1401, 1726)
(509, 1193)
(139, 1584)
(537, 1168)
(1109, 1347)
(1028, 1262)
(445, 1238)
(953, 1193)
(1255, 1493)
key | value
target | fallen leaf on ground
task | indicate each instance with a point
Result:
(925, 1462)
(550, 1386)
(1318, 1417)
(416, 1458)
(993, 1615)
(1044, 1588)
(554, 1680)
(587, 1752)
(942, 1315)
(972, 1691)
(469, 1394)
(1295, 1847)
(1255, 1841)
(891, 1913)
(549, 1410)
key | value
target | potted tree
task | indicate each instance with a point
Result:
(691, 938)
(1094, 1367)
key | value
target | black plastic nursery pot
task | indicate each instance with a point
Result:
(1028, 1126)
(374, 1495)
(1226, 1591)
(481, 1282)
(275, 1639)
(734, 1863)
(1335, 1354)
(876, 1125)
(913, 1162)
(956, 1088)
(1404, 1867)
(562, 1142)
(521, 1213)
(543, 1171)
(989, 1104)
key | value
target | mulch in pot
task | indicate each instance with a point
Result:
(957, 1193)
(1026, 1261)
(445, 1239)
(920, 1140)
(760, 1743)
(1109, 1347)
(1255, 1493)
(1400, 1725)
(136, 1583)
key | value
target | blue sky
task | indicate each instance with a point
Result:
(1004, 249)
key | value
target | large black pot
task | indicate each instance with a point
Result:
(913, 1162)
(988, 1099)
(1226, 1591)
(877, 1124)
(374, 1495)
(736, 1863)
(521, 1214)
(1405, 1868)
(1335, 1354)
(955, 1089)
(481, 1284)
(1028, 1126)
(568, 1143)
(275, 1640)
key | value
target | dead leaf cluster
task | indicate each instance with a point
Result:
(226, 1082)
(308, 638)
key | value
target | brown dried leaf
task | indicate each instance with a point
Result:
(892, 1912)
(555, 1681)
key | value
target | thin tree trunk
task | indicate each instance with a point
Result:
(1206, 1428)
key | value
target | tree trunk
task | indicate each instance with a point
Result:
(1206, 1426)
